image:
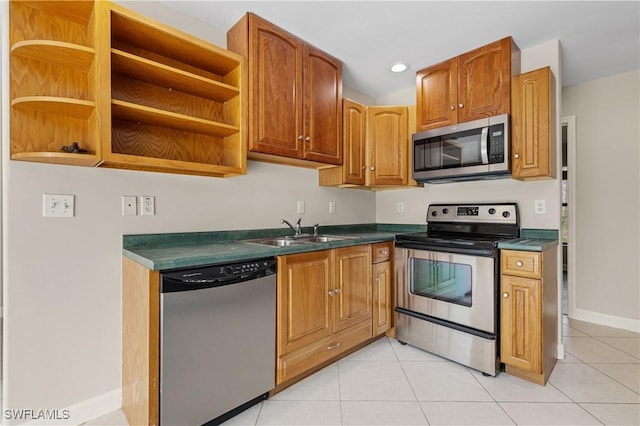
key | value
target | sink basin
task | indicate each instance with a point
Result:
(293, 241)
(278, 242)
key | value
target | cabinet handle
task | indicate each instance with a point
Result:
(519, 264)
(505, 294)
(364, 167)
(385, 253)
(338, 290)
(308, 139)
(373, 167)
(460, 105)
(336, 346)
(331, 292)
(516, 156)
(451, 107)
(300, 137)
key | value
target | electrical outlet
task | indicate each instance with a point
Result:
(332, 207)
(57, 205)
(147, 205)
(400, 208)
(540, 206)
(129, 207)
(300, 206)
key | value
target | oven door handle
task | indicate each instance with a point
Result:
(484, 136)
(449, 249)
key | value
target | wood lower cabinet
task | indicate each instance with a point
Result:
(295, 92)
(474, 85)
(533, 129)
(377, 152)
(382, 288)
(324, 307)
(529, 313)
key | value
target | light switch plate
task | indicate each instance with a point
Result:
(332, 207)
(58, 205)
(301, 206)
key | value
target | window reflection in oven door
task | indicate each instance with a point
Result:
(452, 287)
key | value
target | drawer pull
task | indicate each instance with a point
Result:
(519, 264)
(338, 290)
(505, 295)
(385, 253)
(336, 346)
(331, 292)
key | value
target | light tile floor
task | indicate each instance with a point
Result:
(387, 383)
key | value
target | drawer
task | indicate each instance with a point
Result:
(521, 263)
(381, 252)
(314, 354)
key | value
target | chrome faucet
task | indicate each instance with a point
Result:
(295, 229)
(315, 229)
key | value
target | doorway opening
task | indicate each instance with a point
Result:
(567, 226)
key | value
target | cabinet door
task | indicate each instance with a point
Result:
(352, 286)
(304, 314)
(353, 139)
(521, 323)
(388, 145)
(484, 81)
(381, 297)
(437, 94)
(322, 102)
(275, 90)
(533, 131)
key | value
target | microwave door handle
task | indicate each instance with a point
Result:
(483, 145)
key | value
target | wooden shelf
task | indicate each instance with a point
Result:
(56, 52)
(77, 108)
(152, 72)
(70, 159)
(133, 112)
(169, 42)
(77, 11)
(128, 161)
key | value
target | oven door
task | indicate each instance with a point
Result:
(456, 288)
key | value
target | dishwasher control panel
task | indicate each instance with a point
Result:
(216, 275)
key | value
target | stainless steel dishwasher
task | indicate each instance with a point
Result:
(217, 340)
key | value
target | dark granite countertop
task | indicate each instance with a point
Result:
(182, 250)
(532, 240)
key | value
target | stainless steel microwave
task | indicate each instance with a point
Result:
(473, 150)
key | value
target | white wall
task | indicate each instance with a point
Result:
(62, 279)
(607, 255)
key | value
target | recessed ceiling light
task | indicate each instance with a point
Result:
(399, 67)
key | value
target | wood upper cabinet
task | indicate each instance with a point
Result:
(471, 86)
(387, 136)
(129, 91)
(295, 92)
(533, 128)
(528, 313)
(376, 148)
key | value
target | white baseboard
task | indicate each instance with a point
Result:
(608, 320)
(80, 412)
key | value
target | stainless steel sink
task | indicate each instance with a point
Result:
(278, 242)
(293, 241)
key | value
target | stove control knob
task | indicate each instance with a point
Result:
(445, 211)
(434, 213)
(506, 214)
(492, 211)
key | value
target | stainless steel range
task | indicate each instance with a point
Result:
(448, 282)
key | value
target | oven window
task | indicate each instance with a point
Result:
(447, 281)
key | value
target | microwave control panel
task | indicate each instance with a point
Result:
(496, 143)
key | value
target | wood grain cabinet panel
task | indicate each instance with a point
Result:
(533, 130)
(529, 313)
(129, 91)
(377, 152)
(382, 288)
(324, 308)
(474, 85)
(295, 93)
